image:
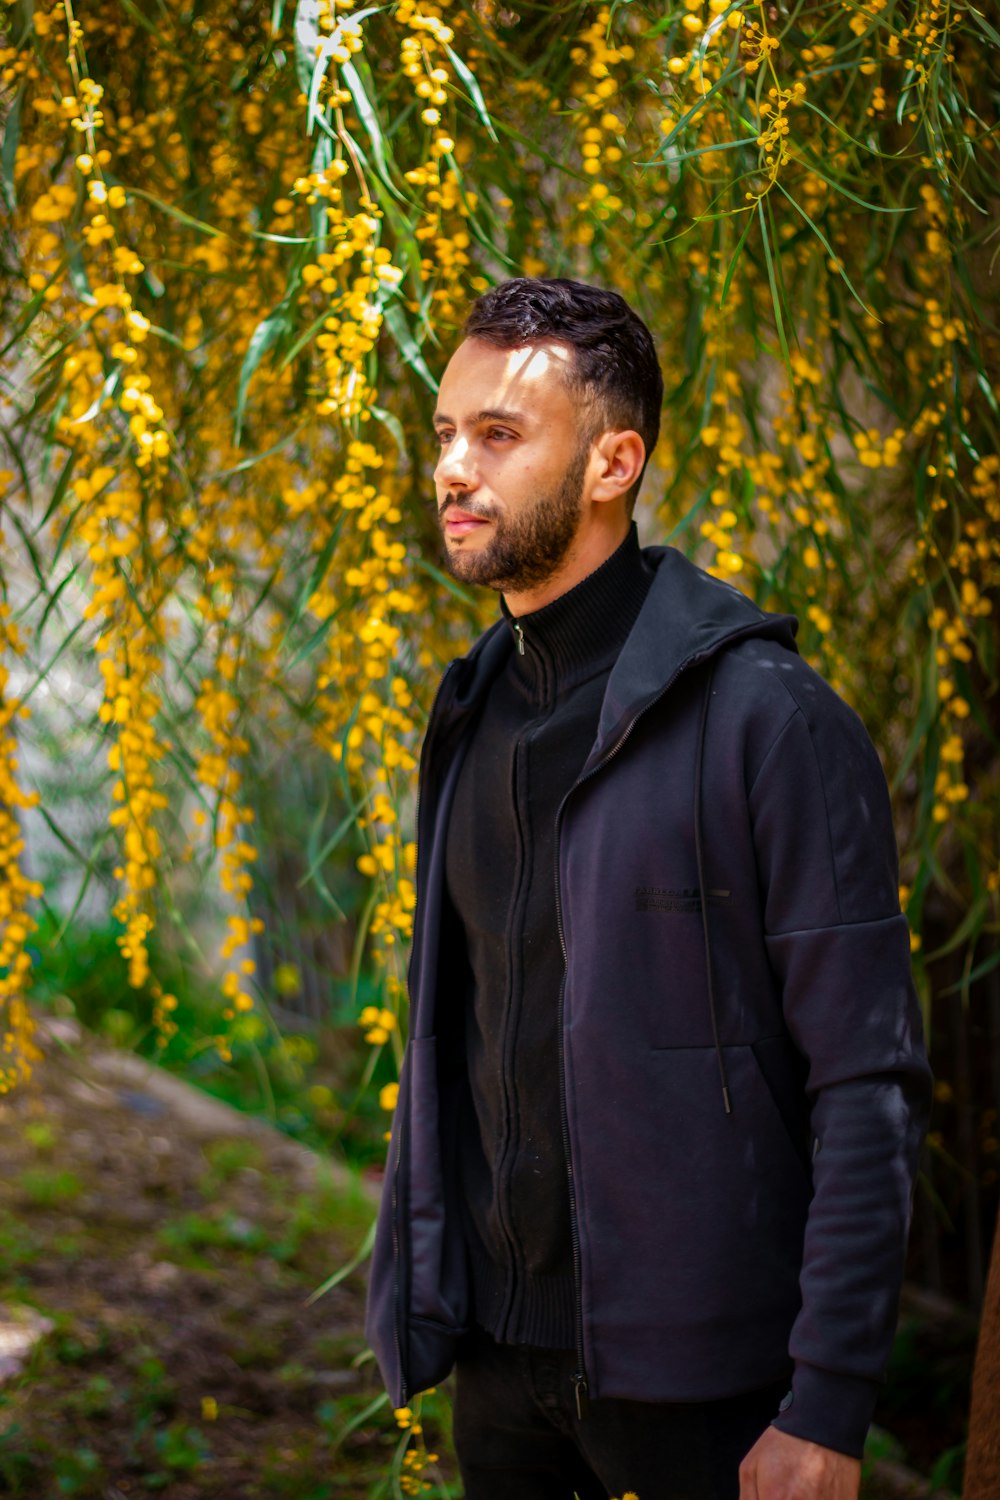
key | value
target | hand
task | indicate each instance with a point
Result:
(782, 1467)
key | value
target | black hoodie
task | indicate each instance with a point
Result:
(743, 1082)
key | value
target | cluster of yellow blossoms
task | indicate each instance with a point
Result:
(428, 64)
(352, 326)
(416, 1459)
(830, 454)
(598, 126)
(975, 558)
(128, 595)
(218, 771)
(17, 1047)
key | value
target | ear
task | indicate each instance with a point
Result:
(618, 458)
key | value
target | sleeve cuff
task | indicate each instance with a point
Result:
(830, 1409)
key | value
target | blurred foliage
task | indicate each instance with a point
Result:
(233, 260)
(178, 1348)
(238, 243)
(314, 1086)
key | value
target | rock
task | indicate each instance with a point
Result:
(21, 1328)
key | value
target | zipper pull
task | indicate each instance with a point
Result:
(581, 1393)
(520, 638)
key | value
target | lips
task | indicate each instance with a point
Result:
(462, 522)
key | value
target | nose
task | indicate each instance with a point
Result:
(455, 469)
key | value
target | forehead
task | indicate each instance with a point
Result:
(479, 376)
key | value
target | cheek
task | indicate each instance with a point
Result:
(516, 474)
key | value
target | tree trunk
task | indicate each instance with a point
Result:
(982, 1464)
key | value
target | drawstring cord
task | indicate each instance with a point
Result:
(702, 887)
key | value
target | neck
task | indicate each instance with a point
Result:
(566, 641)
(592, 546)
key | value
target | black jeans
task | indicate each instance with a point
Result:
(518, 1436)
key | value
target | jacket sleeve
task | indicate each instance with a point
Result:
(839, 946)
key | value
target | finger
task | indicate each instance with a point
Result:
(748, 1478)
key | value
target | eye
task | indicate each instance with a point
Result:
(501, 434)
(443, 434)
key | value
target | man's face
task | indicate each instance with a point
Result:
(510, 479)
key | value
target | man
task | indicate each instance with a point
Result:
(651, 1171)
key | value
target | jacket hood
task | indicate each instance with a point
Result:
(686, 618)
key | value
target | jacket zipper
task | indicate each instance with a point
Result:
(581, 1386)
(509, 1038)
(580, 1381)
(506, 1220)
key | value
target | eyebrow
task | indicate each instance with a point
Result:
(488, 414)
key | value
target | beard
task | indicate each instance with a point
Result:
(526, 549)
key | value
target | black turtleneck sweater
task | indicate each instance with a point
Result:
(528, 747)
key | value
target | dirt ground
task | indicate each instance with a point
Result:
(157, 1251)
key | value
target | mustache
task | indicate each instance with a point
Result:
(471, 507)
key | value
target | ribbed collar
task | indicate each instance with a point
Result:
(582, 632)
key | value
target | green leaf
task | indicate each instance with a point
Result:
(988, 392)
(140, 19)
(735, 258)
(979, 972)
(967, 928)
(830, 251)
(696, 109)
(24, 14)
(394, 426)
(175, 213)
(282, 239)
(314, 640)
(256, 458)
(78, 276)
(314, 580)
(321, 62)
(89, 863)
(31, 310)
(475, 92)
(676, 157)
(320, 856)
(61, 486)
(395, 319)
(63, 645)
(453, 587)
(53, 599)
(327, 897)
(171, 338)
(8, 152)
(304, 338)
(779, 321)
(338, 1276)
(984, 25)
(264, 337)
(366, 113)
(306, 36)
(107, 389)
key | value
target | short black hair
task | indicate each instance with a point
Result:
(614, 359)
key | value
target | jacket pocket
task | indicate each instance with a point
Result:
(763, 1138)
(692, 1219)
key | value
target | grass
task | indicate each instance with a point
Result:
(184, 1359)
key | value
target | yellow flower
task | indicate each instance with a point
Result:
(287, 979)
